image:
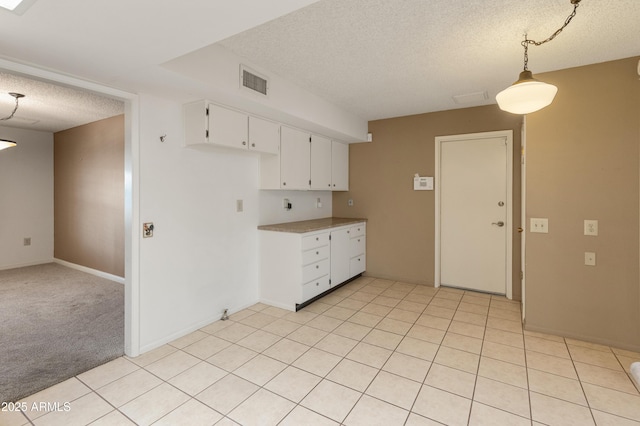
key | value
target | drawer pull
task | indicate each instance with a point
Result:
(317, 252)
(318, 266)
(358, 239)
(317, 284)
(317, 238)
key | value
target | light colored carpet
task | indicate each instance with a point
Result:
(55, 323)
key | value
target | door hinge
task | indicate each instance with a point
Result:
(207, 111)
(206, 134)
(309, 139)
(329, 240)
(329, 281)
(521, 275)
(309, 182)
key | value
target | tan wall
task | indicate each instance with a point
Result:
(583, 163)
(400, 231)
(89, 195)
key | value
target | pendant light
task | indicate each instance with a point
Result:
(528, 94)
(6, 143)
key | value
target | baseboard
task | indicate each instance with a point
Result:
(24, 265)
(584, 338)
(90, 271)
(187, 330)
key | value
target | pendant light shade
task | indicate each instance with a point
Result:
(4, 143)
(526, 95)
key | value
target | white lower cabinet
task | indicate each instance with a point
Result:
(296, 267)
(357, 249)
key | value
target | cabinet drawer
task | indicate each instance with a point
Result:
(315, 255)
(358, 246)
(358, 230)
(315, 270)
(358, 265)
(313, 241)
(315, 287)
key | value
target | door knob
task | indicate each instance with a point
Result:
(501, 223)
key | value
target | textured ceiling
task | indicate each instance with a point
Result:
(51, 108)
(385, 58)
(374, 58)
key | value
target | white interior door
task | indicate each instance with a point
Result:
(474, 212)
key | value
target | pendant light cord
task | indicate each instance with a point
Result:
(526, 42)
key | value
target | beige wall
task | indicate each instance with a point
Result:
(400, 231)
(89, 195)
(583, 163)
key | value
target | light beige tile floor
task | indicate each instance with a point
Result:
(374, 352)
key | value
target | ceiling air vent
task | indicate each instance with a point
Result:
(252, 81)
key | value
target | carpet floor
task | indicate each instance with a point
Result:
(55, 323)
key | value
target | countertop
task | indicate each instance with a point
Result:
(310, 225)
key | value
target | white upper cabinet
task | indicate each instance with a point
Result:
(339, 166)
(228, 127)
(295, 152)
(264, 135)
(320, 163)
(290, 158)
(207, 123)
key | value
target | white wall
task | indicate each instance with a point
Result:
(203, 256)
(218, 70)
(303, 206)
(26, 198)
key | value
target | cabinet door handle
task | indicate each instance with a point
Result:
(284, 183)
(244, 142)
(358, 239)
(317, 252)
(317, 284)
(317, 266)
(317, 238)
(253, 145)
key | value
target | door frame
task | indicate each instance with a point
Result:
(132, 227)
(439, 140)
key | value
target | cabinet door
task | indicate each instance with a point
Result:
(264, 136)
(196, 123)
(320, 163)
(339, 166)
(294, 159)
(227, 127)
(340, 256)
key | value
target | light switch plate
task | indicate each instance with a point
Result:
(539, 225)
(591, 227)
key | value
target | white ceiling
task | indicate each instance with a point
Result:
(385, 58)
(375, 58)
(50, 107)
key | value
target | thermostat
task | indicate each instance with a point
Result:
(422, 183)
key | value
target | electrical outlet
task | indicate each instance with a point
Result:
(350, 202)
(591, 227)
(319, 203)
(26, 241)
(239, 206)
(589, 258)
